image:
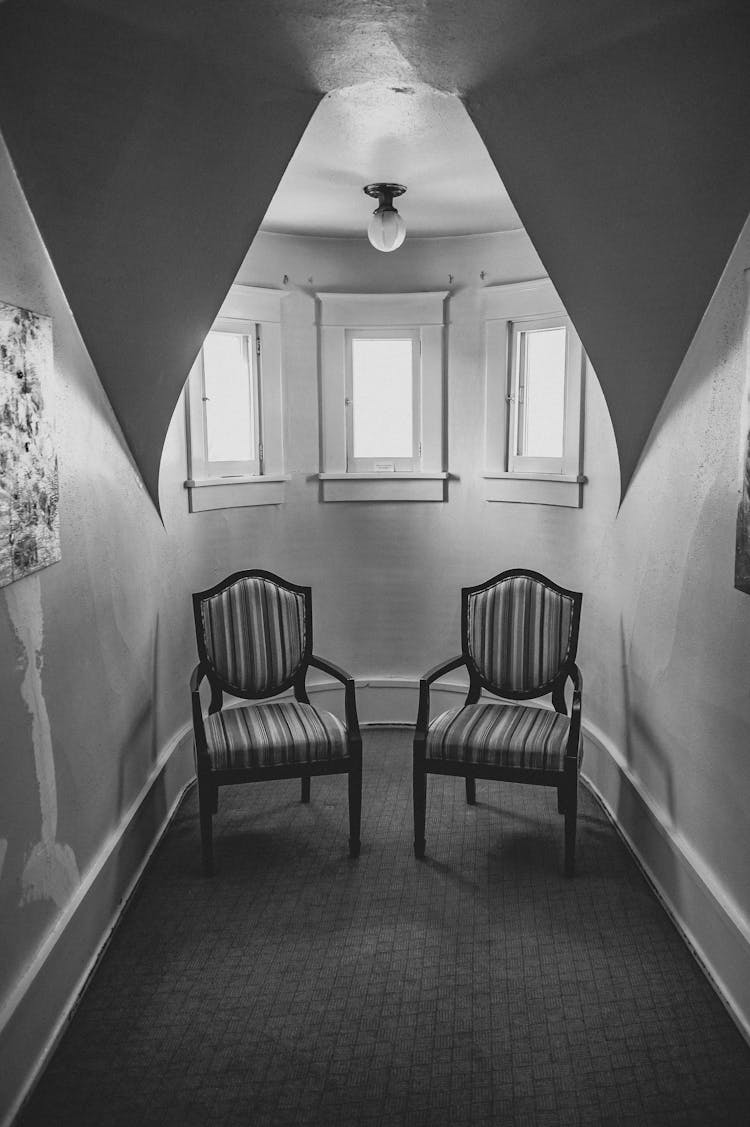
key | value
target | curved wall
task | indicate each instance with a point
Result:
(96, 650)
(664, 632)
(386, 576)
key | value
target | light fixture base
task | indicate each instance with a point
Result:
(381, 190)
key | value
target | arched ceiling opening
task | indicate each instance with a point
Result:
(412, 135)
(150, 135)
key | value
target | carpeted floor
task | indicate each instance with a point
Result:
(477, 987)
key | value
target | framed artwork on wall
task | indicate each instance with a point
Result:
(742, 550)
(29, 491)
(742, 536)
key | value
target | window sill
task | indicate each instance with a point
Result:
(235, 492)
(564, 490)
(398, 485)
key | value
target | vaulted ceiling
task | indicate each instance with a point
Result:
(150, 136)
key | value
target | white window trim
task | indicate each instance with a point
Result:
(244, 308)
(503, 307)
(422, 312)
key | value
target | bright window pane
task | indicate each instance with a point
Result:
(229, 419)
(542, 413)
(382, 398)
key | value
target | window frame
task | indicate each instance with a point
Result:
(254, 312)
(249, 332)
(507, 311)
(377, 464)
(423, 314)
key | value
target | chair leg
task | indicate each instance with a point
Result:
(420, 810)
(571, 811)
(207, 802)
(561, 800)
(305, 788)
(471, 791)
(355, 804)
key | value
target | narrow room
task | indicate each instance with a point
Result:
(374, 563)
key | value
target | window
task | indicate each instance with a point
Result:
(534, 368)
(234, 406)
(382, 400)
(382, 404)
(229, 386)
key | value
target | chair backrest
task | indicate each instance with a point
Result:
(518, 631)
(254, 632)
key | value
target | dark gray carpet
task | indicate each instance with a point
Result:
(477, 987)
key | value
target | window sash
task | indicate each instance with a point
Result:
(386, 463)
(249, 332)
(517, 399)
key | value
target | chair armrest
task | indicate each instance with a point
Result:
(346, 679)
(196, 677)
(199, 730)
(423, 716)
(575, 713)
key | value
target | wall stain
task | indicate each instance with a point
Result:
(51, 871)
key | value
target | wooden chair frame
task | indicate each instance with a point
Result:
(210, 779)
(566, 781)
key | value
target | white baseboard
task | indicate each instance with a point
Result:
(709, 919)
(34, 1015)
(387, 700)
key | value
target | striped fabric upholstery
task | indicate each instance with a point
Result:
(519, 633)
(268, 735)
(254, 633)
(500, 735)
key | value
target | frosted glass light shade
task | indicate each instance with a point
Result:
(386, 230)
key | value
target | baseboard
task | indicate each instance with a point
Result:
(709, 919)
(34, 1015)
(387, 701)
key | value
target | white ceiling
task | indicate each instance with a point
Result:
(412, 135)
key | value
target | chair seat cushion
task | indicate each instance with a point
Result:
(269, 735)
(500, 735)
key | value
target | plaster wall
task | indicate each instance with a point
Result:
(666, 635)
(386, 575)
(95, 650)
(94, 655)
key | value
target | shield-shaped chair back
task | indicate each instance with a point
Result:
(518, 631)
(254, 632)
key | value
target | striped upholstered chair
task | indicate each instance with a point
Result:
(519, 635)
(254, 633)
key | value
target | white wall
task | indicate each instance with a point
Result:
(94, 657)
(663, 642)
(666, 645)
(385, 576)
(664, 633)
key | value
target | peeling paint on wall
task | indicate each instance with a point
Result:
(51, 871)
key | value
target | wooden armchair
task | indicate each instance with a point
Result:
(254, 634)
(519, 636)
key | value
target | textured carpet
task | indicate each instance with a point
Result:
(477, 987)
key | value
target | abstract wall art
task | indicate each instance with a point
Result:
(742, 539)
(29, 497)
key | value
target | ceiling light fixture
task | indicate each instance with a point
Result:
(386, 230)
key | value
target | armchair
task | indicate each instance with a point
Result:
(519, 636)
(254, 635)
